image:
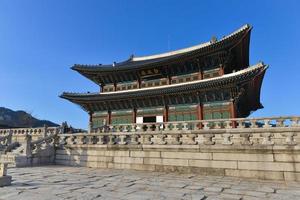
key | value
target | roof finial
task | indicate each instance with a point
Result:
(213, 39)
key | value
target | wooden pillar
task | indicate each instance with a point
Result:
(232, 113)
(90, 121)
(134, 116)
(109, 117)
(115, 86)
(200, 113)
(166, 114)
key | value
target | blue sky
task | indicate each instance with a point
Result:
(40, 40)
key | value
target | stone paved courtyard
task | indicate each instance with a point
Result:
(58, 182)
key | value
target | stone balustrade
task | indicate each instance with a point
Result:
(258, 131)
(266, 148)
(30, 147)
(40, 150)
(275, 137)
(19, 134)
(29, 131)
(237, 123)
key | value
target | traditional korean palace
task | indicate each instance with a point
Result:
(212, 80)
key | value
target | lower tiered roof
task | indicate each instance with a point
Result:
(244, 84)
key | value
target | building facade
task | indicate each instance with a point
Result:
(212, 80)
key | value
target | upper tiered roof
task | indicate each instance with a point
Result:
(236, 43)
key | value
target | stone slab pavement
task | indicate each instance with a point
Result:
(60, 182)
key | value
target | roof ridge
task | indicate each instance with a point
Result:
(187, 49)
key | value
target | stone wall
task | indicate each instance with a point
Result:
(255, 149)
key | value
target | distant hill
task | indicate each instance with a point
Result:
(15, 119)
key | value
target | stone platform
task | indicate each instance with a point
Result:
(59, 182)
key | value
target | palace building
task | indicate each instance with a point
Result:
(212, 80)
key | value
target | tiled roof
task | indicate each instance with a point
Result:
(137, 62)
(236, 78)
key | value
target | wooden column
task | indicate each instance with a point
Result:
(101, 88)
(109, 117)
(134, 116)
(115, 86)
(90, 121)
(200, 113)
(232, 113)
(166, 114)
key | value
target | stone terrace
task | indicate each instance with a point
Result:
(59, 182)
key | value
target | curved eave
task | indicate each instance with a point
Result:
(139, 62)
(253, 94)
(239, 77)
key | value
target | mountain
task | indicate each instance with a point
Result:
(14, 119)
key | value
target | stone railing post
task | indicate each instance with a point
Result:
(266, 123)
(27, 145)
(5, 180)
(122, 139)
(175, 127)
(9, 138)
(228, 124)
(45, 130)
(166, 127)
(240, 123)
(294, 121)
(253, 123)
(3, 169)
(205, 125)
(157, 127)
(280, 122)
